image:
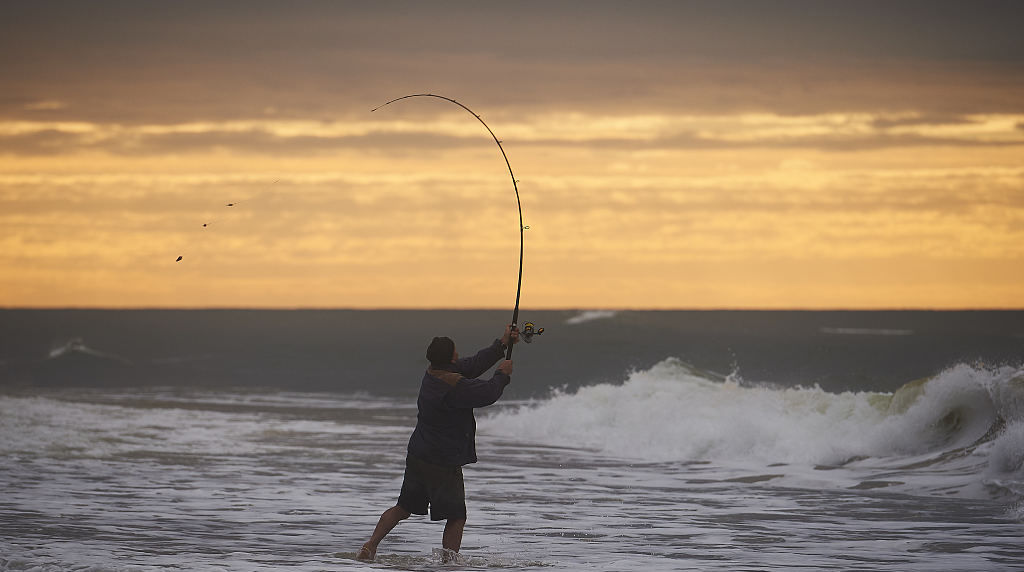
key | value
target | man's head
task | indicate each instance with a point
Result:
(441, 351)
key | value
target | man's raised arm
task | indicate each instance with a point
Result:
(475, 366)
(481, 392)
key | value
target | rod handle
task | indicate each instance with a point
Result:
(508, 352)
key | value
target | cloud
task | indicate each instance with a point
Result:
(45, 142)
(45, 105)
(913, 120)
(336, 61)
(836, 143)
(309, 228)
(829, 132)
(347, 91)
(698, 148)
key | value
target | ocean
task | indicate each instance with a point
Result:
(654, 440)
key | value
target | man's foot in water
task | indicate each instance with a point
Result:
(367, 553)
(447, 556)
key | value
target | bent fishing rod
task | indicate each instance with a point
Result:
(528, 328)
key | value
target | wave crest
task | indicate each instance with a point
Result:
(674, 412)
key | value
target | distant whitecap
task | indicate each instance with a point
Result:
(77, 346)
(591, 315)
(867, 331)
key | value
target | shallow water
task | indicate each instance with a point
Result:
(158, 479)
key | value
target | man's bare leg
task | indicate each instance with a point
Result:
(452, 539)
(388, 521)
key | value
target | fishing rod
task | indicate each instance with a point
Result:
(529, 330)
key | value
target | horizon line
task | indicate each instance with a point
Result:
(495, 309)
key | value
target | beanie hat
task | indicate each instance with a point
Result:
(440, 351)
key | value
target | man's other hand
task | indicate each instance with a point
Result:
(511, 334)
(505, 367)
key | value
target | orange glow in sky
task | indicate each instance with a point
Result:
(864, 170)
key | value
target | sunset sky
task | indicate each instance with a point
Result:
(670, 154)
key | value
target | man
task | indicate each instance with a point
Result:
(445, 437)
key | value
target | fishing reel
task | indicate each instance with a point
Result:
(528, 331)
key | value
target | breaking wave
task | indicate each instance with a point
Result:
(964, 419)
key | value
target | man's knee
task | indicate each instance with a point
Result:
(400, 513)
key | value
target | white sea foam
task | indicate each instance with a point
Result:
(1006, 458)
(672, 412)
(38, 425)
(261, 481)
(157, 424)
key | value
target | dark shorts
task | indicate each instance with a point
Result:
(438, 487)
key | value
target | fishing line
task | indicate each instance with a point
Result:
(530, 332)
(224, 213)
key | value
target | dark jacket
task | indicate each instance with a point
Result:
(445, 431)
